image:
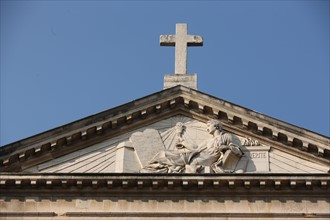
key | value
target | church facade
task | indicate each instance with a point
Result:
(178, 153)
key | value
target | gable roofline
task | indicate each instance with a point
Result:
(86, 121)
(179, 98)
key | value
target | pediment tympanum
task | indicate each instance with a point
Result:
(127, 137)
(180, 144)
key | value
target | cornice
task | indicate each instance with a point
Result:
(155, 107)
(317, 184)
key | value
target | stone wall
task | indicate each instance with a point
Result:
(127, 196)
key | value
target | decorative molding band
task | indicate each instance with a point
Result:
(198, 214)
(165, 214)
(115, 183)
(27, 214)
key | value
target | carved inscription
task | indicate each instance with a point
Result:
(258, 155)
(259, 159)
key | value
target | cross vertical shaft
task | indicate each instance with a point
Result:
(181, 49)
(181, 40)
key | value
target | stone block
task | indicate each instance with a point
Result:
(126, 160)
(258, 159)
(147, 144)
(188, 80)
(230, 161)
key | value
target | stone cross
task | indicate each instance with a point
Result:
(181, 40)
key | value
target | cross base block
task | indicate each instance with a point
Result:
(188, 80)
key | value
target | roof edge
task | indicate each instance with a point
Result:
(190, 98)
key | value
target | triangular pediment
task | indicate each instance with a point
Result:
(126, 138)
(129, 153)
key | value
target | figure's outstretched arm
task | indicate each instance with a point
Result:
(185, 144)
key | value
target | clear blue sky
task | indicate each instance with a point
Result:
(65, 60)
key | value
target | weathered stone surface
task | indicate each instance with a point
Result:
(226, 202)
(74, 165)
(221, 152)
(147, 144)
(126, 159)
(115, 125)
(181, 40)
(230, 161)
(128, 152)
(188, 80)
(258, 158)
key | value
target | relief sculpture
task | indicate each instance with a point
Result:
(219, 154)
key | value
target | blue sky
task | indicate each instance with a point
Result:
(65, 60)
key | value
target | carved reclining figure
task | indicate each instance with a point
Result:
(221, 153)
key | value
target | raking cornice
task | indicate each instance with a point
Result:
(161, 105)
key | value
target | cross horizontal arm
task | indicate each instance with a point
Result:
(181, 40)
(194, 40)
(167, 40)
